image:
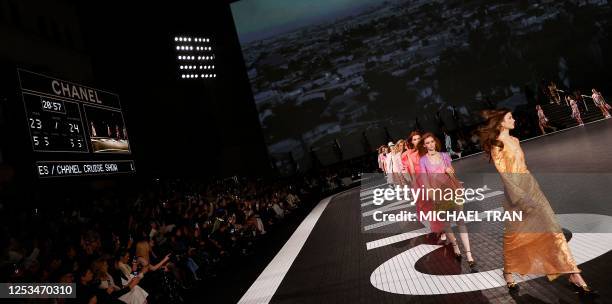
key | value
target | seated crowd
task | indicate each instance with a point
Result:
(150, 245)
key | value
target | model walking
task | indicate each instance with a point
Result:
(542, 120)
(601, 103)
(575, 111)
(440, 174)
(535, 245)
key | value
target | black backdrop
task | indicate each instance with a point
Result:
(177, 127)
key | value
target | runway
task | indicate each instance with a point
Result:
(339, 254)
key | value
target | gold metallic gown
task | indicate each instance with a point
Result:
(536, 244)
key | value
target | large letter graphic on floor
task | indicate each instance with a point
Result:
(398, 274)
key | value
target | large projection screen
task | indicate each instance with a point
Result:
(362, 71)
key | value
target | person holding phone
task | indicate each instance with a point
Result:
(130, 278)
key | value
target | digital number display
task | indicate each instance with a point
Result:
(52, 130)
(52, 105)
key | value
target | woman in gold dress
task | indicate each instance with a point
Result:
(535, 245)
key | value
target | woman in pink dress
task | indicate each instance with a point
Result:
(542, 119)
(438, 173)
(601, 103)
(414, 169)
(575, 111)
(412, 154)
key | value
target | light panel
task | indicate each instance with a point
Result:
(195, 57)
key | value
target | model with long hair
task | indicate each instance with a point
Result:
(440, 174)
(412, 154)
(535, 245)
(397, 167)
(575, 111)
(554, 93)
(542, 120)
(413, 164)
(404, 176)
(406, 161)
(601, 103)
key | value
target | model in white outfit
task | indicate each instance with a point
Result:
(389, 164)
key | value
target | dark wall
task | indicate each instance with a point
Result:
(41, 36)
(177, 127)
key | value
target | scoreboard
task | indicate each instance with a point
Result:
(55, 125)
(74, 130)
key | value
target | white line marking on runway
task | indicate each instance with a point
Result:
(390, 207)
(367, 204)
(367, 193)
(262, 290)
(397, 238)
(586, 244)
(363, 188)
